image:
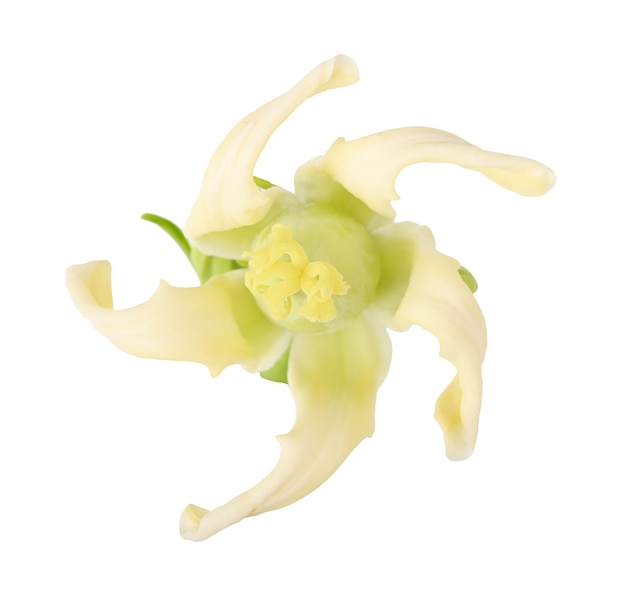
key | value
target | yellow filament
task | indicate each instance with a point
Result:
(281, 269)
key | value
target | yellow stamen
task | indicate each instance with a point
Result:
(281, 269)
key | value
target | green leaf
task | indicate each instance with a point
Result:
(278, 373)
(468, 279)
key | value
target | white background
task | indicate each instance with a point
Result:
(113, 109)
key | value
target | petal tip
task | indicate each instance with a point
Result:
(197, 523)
(190, 521)
(458, 452)
(535, 179)
(549, 179)
(344, 72)
(457, 413)
(89, 285)
(86, 270)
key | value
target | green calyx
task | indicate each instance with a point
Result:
(204, 266)
(468, 279)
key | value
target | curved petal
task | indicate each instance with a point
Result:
(313, 184)
(233, 243)
(229, 197)
(217, 324)
(439, 301)
(368, 167)
(334, 378)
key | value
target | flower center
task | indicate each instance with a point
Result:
(313, 270)
(281, 269)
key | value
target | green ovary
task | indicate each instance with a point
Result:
(313, 270)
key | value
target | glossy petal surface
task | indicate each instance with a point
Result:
(217, 324)
(334, 378)
(438, 300)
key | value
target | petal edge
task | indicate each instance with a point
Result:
(367, 167)
(333, 414)
(216, 324)
(228, 197)
(439, 301)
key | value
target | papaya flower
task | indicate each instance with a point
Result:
(302, 287)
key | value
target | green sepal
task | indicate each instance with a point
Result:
(204, 266)
(209, 266)
(171, 229)
(468, 279)
(262, 183)
(278, 373)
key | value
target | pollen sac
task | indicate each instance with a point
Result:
(282, 269)
(313, 270)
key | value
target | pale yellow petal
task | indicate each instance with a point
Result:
(217, 324)
(228, 197)
(334, 378)
(438, 300)
(313, 184)
(368, 167)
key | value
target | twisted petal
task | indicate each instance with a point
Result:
(229, 197)
(217, 324)
(334, 378)
(438, 300)
(368, 167)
